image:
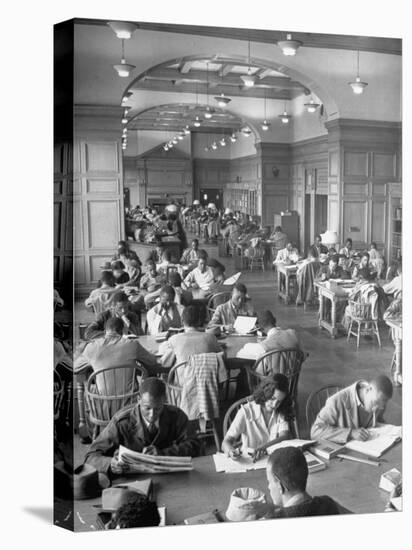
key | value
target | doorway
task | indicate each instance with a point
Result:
(321, 214)
(211, 195)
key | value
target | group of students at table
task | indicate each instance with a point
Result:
(157, 428)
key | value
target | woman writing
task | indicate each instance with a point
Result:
(263, 421)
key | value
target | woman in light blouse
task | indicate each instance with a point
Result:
(262, 422)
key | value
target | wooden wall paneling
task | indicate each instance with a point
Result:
(355, 221)
(384, 166)
(355, 163)
(378, 223)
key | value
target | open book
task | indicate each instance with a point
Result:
(380, 440)
(143, 463)
(244, 324)
(233, 279)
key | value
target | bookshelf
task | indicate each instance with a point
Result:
(396, 244)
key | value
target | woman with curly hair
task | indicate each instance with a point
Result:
(263, 421)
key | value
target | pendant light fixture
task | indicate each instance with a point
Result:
(358, 86)
(197, 121)
(233, 137)
(248, 79)
(124, 69)
(222, 99)
(214, 146)
(284, 117)
(246, 131)
(126, 97)
(311, 107)
(122, 29)
(265, 124)
(186, 130)
(289, 46)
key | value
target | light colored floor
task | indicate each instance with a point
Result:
(330, 361)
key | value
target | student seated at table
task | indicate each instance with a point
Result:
(119, 307)
(276, 338)
(376, 259)
(100, 298)
(263, 421)
(191, 255)
(180, 347)
(287, 475)
(288, 255)
(365, 270)
(218, 275)
(182, 297)
(138, 512)
(278, 238)
(135, 272)
(200, 279)
(225, 314)
(123, 249)
(347, 250)
(318, 247)
(166, 314)
(112, 350)
(150, 285)
(350, 412)
(332, 271)
(119, 273)
(152, 427)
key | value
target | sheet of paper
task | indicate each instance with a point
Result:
(244, 324)
(233, 279)
(380, 439)
(241, 465)
(250, 351)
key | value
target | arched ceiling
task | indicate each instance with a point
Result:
(170, 68)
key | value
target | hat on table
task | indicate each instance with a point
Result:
(114, 497)
(81, 483)
(246, 504)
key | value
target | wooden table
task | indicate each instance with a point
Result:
(353, 485)
(396, 367)
(335, 296)
(289, 272)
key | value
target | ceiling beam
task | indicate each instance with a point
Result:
(225, 69)
(185, 67)
(310, 40)
(263, 73)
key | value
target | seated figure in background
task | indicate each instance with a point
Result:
(318, 247)
(225, 314)
(119, 307)
(182, 297)
(261, 422)
(365, 270)
(200, 280)
(350, 412)
(180, 347)
(287, 474)
(376, 259)
(101, 297)
(278, 238)
(166, 314)
(276, 338)
(152, 427)
(150, 285)
(124, 251)
(287, 255)
(119, 273)
(394, 286)
(306, 276)
(191, 255)
(331, 271)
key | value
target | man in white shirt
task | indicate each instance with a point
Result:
(166, 314)
(200, 281)
(288, 255)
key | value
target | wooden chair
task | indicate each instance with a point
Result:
(216, 300)
(317, 400)
(174, 391)
(288, 362)
(110, 390)
(359, 314)
(256, 258)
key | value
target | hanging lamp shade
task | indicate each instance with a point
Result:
(248, 79)
(284, 117)
(122, 29)
(329, 238)
(222, 100)
(124, 69)
(358, 86)
(289, 46)
(246, 131)
(265, 125)
(311, 106)
(233, 138)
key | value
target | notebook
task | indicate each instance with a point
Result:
(314, 463)
(327, 449)
(244, 324)
(380, 440)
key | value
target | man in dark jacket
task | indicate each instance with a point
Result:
(287, 475)
(151, 427)
(120, 307)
